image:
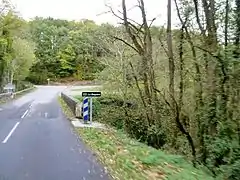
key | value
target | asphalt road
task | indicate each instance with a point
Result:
(37, 142)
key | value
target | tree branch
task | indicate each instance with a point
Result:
(165, 50)
(128, 29)
(197, 16)
(151, 22)
(131, 19)
(125, 42)
(163, 96)
(218, 58)
(128, 19)
(137, 84)
(134, 28)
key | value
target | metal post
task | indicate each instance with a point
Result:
(85, 109)
(91, 110)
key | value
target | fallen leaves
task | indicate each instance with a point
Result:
(155, 175)
(172, 167)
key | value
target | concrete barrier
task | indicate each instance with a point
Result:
(73, 104)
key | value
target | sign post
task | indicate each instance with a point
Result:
(90, 95)
(91, 110)
(48, 81)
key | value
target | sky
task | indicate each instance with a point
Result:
(90, 9)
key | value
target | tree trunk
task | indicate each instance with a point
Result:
(144, 48)
(211, 43)
(180, 100)
(237, 31)
(170, 50)
(224, 86)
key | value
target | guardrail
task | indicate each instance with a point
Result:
(24, 90)
(6, 96)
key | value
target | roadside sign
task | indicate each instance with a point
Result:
(87, 95)
(9, 86)
(91, 94)
(85, 109)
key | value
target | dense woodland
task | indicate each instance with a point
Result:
(179, 87)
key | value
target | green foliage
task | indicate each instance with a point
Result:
(16, 50)
(23, 59)
(206, 101)
(129, 118)
(233, 171)
(115, 113)
(21, 85)
(66, 49)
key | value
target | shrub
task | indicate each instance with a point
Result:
(110, 110)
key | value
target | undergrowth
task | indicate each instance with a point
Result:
(129, 159)
(126, 156)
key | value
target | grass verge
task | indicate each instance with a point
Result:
(126, 158)
(129, 159)
(66, 110)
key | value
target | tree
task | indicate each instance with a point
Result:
(73, 45)
(23, 59)
(199, 109)
(12, 55)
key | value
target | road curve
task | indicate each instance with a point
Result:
(37, 142)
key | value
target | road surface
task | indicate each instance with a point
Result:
(37, 142)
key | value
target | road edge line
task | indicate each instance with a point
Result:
(10, 133)
(25, 114)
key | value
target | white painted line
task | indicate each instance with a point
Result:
(11, 132)
(24, 114)
(31, 105)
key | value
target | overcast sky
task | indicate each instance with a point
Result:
(89, 9)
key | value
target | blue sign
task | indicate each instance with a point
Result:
(85, 109)
(9, 86)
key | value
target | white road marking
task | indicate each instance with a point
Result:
(31, 105)
(25, 114)
(11, 132)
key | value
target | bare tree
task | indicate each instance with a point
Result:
(141, 43)
(170, 49)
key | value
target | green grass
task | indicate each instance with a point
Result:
(80, 90)
(79, 98)
(88, 89)
(128, 159)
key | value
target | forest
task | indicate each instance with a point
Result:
(179, 87)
